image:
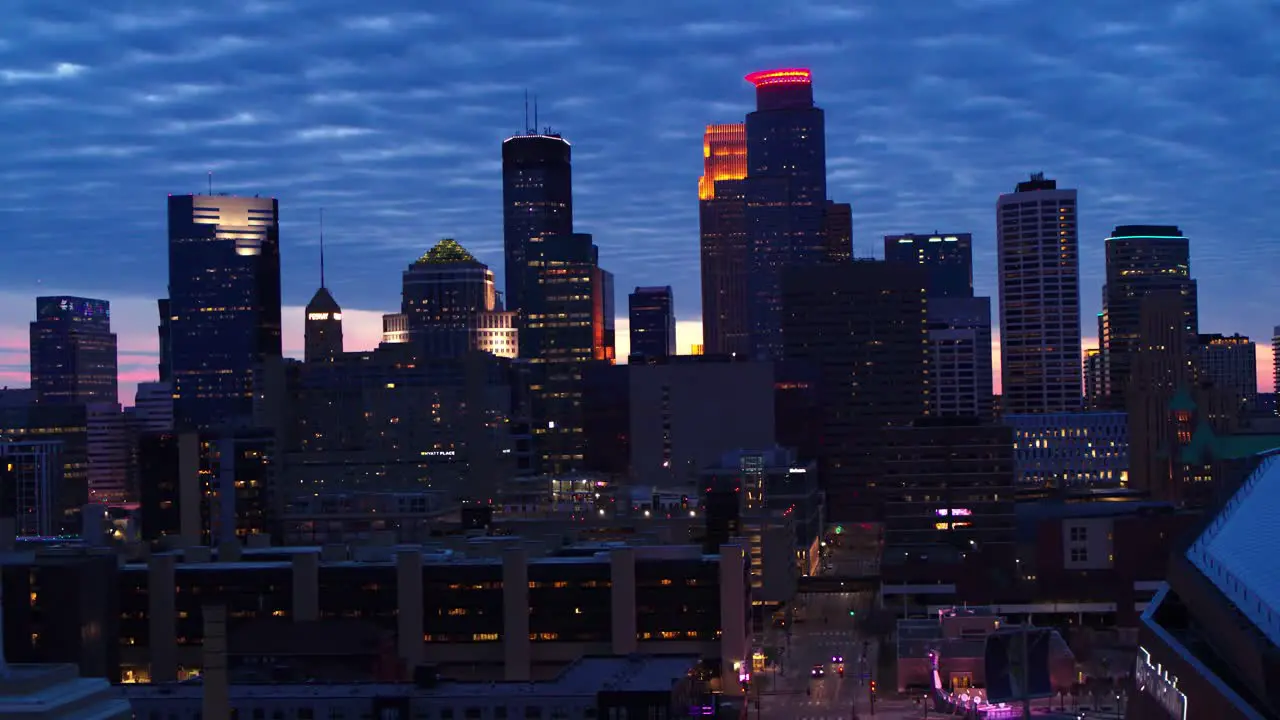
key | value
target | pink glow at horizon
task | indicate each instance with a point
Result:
(362, 329)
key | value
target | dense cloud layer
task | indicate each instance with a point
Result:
(390, 118)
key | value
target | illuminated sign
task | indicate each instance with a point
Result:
(74, 308)
(324, 316)
(1156, 681)
(954, 512)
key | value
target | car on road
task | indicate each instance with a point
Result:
(818, 671)
(837, 659)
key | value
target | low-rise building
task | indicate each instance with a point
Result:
(1071, 450)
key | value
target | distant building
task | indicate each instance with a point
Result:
(450, 305)
(1275, 363)
(725, 253)
(1039, 276)
(323, 329)
(652, 315)
(946, 482)
(863, 328)
(960, 357)
(537, 201)
(946, 257)
(224, 252)
(64, 424)
(688, 412)
(392, 420)
(207, 490)
(32, 477)
(110, 447)
(1071, 450)
(767, 498)
(837, 228)
(568, 322)
(73, 351)
(153, 406)
(1141, 260)
(786, 196)
(1231, 363)
(1094, 380)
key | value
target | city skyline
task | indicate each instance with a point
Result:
(925, 143)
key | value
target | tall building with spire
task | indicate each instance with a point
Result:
(537, 201)
(323, 329)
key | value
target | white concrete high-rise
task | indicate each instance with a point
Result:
(1039, 277)
(153, 407)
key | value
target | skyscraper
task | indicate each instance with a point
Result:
(1039, 277)
(959, 323)
(164, 335)
(786, 195)
(960, 357)
(224, 300)
(568, 324)
(537, 200)
(450, 305)
(946, 257)
(651, 311)
(1093, 380)
(1230, 362)
(837, 228)
(863, 327)
(73, 351)
(1141, 260)
(724, 249)
(322, 339)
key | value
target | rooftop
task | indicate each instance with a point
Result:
(584, 678)
(447, 251)
(1237, 551)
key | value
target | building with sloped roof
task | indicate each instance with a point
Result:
(1210, 639)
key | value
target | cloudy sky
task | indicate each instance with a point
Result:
(389, 114)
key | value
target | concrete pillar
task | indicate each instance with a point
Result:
(409, 606)
(622, 575)
(516, 648)
(306, 587)
(162, 617)
(735, 602)
(217, 691)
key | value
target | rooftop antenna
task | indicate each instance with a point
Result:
(535, 111)
(322, 248)
(526, 111)
(211, 182)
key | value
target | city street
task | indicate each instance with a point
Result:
(825, 630)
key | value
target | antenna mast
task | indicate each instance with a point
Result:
(211, 182)
(322, 248)
(526, 111)
(535, 111)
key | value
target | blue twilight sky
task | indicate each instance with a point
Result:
(389, 114)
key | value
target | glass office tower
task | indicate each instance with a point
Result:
(73, 351)
(224, 304)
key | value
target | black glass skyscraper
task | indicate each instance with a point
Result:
(786, 195)
(224, 300)
(1142, 260)
(537, 201)
(73, 351)
(947, 258)
(651, 312)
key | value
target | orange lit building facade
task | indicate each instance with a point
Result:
(724, 248)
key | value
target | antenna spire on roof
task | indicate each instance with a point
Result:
(526, 111)
(321, 247)
(535, 111)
